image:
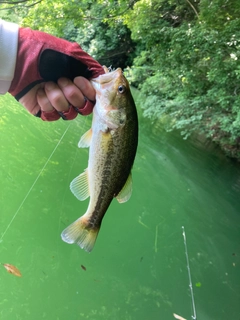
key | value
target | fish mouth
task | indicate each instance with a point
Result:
(108, 77)
(110, 83)
(110, 99)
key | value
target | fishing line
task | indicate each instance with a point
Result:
(194, 316)
(81, 132)
(25, 198)
(67, 187)
(83, 124)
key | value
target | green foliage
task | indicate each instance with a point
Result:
(183, 55)
(111, 46)
(11, 10)
(188, 66)
(97, 26)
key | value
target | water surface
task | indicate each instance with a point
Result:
(138, 267)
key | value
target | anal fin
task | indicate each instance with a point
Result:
(79, 186)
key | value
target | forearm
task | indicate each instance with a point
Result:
(8, 53)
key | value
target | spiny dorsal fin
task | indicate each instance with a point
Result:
(126, 191)
(85, 140)
(79, 186)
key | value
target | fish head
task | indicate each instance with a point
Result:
(112, 93)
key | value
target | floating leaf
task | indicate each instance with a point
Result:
(198, 284)
(83, 267)
(176, 316)
(12, 269)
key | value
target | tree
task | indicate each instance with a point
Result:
(187, 66)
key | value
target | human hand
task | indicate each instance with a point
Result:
(66, 99)
(51, 76)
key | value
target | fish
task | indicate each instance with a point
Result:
(112, 141)
(12, 269)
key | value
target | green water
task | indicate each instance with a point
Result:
(138, 268)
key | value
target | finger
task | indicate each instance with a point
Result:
(71, 92)
(46, 110)
(78, 97)
(86, 87)
(29, 100)
(43, 101)
(56, 97)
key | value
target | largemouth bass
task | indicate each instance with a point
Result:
(112, 142)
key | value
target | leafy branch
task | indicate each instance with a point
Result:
(16, 3)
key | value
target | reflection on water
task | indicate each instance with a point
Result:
(137, 269)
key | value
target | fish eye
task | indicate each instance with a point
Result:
(121, 89)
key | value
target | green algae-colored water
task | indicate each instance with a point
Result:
(138, 268)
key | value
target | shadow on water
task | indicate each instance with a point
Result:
(138, 268)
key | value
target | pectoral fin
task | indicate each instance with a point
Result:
(126, 191)
(79, 186)
(85, 140)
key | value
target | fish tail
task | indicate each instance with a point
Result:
(79, 232)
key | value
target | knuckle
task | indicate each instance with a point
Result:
(55, 98)
(70, 93)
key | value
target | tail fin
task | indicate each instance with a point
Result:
(78, 233)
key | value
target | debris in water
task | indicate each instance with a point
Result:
(84, 268)
(143, 224)
(12, 269)
(178, 317)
